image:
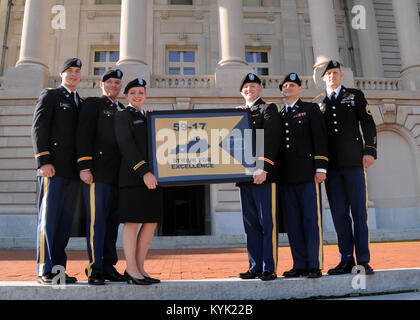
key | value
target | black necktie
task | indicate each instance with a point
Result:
(332, 97)
(289, 111)
(72, 96)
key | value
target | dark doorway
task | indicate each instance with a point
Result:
(184, 211)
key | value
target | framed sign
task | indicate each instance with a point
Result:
(200, 146)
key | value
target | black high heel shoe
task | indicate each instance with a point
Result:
(132, 280)
(151, 280)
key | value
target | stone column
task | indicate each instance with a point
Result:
(232, 66)
(369, 47)
(31, 71)
(324, 39)
(133, 40)
(408, 25)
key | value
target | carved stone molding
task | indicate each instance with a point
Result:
(389, 110)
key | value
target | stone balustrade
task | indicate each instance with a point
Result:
(377, 83)
(180, 81)
(208, 81)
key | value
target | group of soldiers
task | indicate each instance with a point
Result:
(75, 142)
(304, 145)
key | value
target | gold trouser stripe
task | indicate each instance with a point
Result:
(318, 210)
(42, 232)
(367, 206)
(92, 224)
(274, 218)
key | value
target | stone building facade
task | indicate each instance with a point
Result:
(193, 54)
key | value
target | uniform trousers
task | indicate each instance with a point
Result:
(259, 211)
(303, 219)
(56, 207)
(347, 189)
(101, 227)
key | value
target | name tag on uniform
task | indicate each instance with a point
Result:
(138, 121)
(65, 105)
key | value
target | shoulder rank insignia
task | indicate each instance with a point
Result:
(319, 100)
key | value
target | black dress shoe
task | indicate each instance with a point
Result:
(70, 280)
(368, 268)
(114, 277)
(47, 278)
(250, 274)
(295, 273)
(151, 280)
(314, 273)
(268, 276)
(342, 268)
(96, 280)
(132, 280)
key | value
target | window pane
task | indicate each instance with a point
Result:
(249, 57)
(262, 71)
(114, 56)
(100, 56)
(98, 71)
(189, 56)
(187, 2)
(174, 71)
(261, 57)
(174, 56)
(189, 71)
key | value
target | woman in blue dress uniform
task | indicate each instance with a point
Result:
(140, 198)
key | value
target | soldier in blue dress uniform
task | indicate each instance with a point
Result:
(99, 158)
(304, 161)
(54, 140)
(350, 153)
(259, 198)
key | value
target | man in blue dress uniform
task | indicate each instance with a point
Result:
(304, 161)
(259, 198)
(54, 141)
(346, 110)
(98, 158)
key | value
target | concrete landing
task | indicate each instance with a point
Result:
(223, 289)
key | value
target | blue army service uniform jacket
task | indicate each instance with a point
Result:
(97, 147)
(342, 119)
(265, 116)
(304, 143)
(54, 131)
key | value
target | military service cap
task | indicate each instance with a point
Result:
(291, 77)
(118, 74)
(139, 82)
(72, 62)
(250, 77)
(331, 65)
